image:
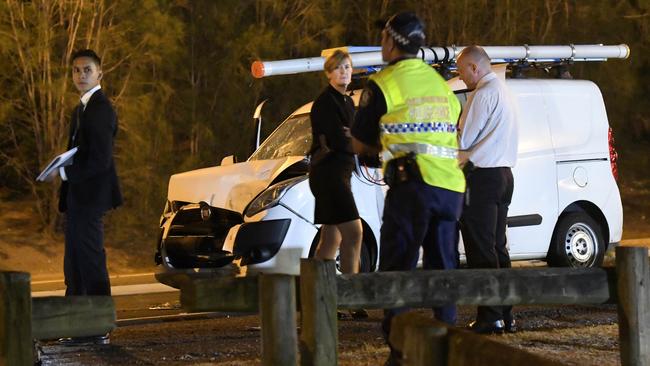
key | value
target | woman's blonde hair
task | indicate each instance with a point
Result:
(335, 59)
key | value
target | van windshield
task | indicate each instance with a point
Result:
(291, 138)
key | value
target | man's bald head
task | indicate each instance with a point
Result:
(473, 63)
(477, 55)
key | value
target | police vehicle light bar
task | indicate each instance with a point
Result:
(363, 57)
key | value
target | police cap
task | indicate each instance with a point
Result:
(407, 30)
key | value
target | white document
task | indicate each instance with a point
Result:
(64, 159)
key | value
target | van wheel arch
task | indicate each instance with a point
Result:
(369, 253)
(580, 237)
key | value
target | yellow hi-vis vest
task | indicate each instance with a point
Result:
(422, 115)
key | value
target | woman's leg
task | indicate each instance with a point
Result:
(330, 237)
(351, 233)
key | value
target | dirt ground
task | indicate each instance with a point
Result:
(574, 335)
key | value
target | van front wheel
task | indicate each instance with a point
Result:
(577, 242)
(364, 265)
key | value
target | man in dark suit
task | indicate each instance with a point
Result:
(90, 185)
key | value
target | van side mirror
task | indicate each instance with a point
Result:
(257, 117)
(228, 160)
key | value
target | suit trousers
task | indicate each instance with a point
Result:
(84, 263)
(419, 215)
(483, 225)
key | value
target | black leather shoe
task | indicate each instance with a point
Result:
(358, 314)
(91, 340)
(496, 327)
(510, 326)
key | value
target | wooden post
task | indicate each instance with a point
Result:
(72, 316)
(221, 294)
(468, 348)
(277, 294)
(16, 346)
(633, 305)
(421, 340)
(319, 332)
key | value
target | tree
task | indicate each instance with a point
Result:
(37, 40)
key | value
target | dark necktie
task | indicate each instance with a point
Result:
(77, 122)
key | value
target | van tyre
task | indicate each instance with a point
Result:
(577, 242)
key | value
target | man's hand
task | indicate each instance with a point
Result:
(364, 149)
(463, 158)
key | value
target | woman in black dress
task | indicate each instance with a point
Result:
(332, 162)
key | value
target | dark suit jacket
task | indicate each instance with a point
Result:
(92, 183)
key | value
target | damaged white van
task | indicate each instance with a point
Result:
(258, 214)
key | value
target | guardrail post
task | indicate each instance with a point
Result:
(16, 346)
(277, 297)
(72, 316)
(633, 272)
(319, 332)
(421, 340)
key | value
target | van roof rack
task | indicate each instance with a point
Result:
(369, 59)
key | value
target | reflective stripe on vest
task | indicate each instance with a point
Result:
(418, 148)
(421, 117)
(418, 127)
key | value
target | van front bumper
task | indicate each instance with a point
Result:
(259, 241)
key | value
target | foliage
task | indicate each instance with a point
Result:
(37, 41)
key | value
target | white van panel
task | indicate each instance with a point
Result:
(534, 174)
(369, 199)
(577, 118)
(592, 181)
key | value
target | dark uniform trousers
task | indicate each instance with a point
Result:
(419, 215)
(483, 225)
(84, 263)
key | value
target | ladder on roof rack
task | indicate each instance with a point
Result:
(447, 55)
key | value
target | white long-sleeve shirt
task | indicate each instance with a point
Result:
(84, 100)
(488, 125)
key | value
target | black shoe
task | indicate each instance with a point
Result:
(91, 340)
(511, 326)
(356, 314)
(359, 314)
(496, 327)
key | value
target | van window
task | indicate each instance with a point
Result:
(291, 138)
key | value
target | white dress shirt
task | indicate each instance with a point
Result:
(84, 100)
(488, 125)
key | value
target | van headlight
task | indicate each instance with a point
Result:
(272, 195)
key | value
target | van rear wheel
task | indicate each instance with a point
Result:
(577, 242)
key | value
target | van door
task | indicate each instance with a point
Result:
(533, 211)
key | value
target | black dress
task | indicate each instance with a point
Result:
(329, 177)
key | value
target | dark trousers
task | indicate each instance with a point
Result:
(483, 224)
(84, 263)
(419, 215)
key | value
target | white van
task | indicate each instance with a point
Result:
(566, 207)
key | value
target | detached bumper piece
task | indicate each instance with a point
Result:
(257, 242)
(196, 252)
(195, 240)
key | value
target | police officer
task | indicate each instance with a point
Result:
(409, 114)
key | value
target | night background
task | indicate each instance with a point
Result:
(178, 73)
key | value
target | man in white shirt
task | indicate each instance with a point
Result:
(488, 150)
